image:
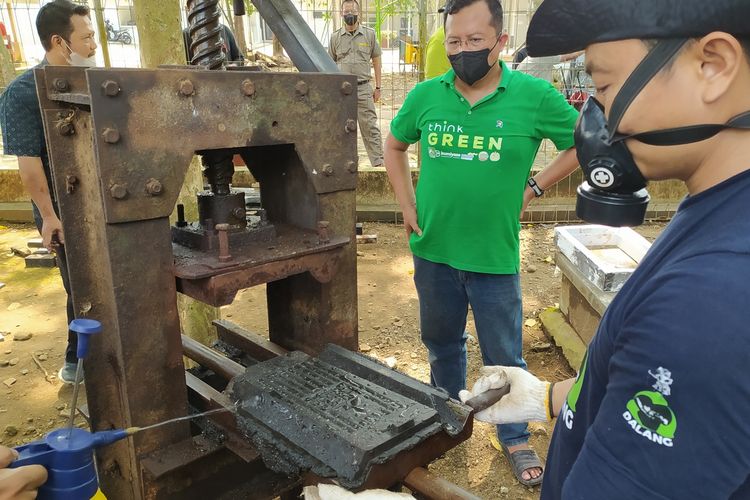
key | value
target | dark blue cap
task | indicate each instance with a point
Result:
(564, 26)
(84, 328)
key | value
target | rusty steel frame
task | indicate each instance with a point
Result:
(120, 142)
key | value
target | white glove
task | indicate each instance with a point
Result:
(333, 492)
(528, 399)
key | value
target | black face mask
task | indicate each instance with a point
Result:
(350, 19)
(471, 66)
(614, 193)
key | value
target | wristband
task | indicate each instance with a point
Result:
(550, 410)
(535, 187)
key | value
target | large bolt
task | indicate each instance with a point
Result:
(328, 170)
(70, 183)
(118, 191)
(223, 230)
(239, 213)
(153, 187)
(65, 128)
(301, 88)
(248, 87)
(111, 135)
(187, 88)
(351, 126)
(61, 84)
(323, 236)
(351, 166)
(111, 88)
(346, 88)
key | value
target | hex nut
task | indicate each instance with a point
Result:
(111, 135)
(61, 84)
(248, 88)
(187, 88)
(111, 88)
(118, 191)
(154, 187)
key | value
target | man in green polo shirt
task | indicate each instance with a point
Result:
(479, 126)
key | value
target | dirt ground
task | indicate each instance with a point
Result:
(32, 301)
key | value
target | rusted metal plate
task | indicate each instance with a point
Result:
(216, 283)
(290, 243)
(204, 110)
(67, 84)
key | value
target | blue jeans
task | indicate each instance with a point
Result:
(62, 263)
(445, 294)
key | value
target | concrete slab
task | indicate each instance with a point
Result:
(558, 329)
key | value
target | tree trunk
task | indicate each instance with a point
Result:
(7, 69)
(239, 34)
(278, 50)
(160, 38)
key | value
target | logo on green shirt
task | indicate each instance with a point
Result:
(448, 135)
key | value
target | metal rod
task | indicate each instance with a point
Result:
(76, 387)
(251, 343)
(101, 27)
(211, 359)
(435, 487)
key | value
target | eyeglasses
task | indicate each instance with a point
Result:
(474, 43)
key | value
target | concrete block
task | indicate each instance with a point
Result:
(597, 298)
(573, 348)
(36, 260)
(606, 256)
(581, 316)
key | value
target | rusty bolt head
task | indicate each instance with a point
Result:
(323, 224)
(65, 128)
(301, 88)
(61, 84)
(346, 88)
(248, 88)
(154, 187)
(118, 191)
(351, 126)
(327, 169)
(222, 227)
(351, 166)
(239, 213)
(187, 88)
(111, 88)
(111, 135)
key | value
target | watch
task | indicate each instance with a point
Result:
(535, 187)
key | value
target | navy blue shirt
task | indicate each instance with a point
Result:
(661, 406)
(21, 122)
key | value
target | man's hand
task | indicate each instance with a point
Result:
(410, 222)
(52, 233)
(376, 95)
(20, 483)
(528, 195)
(528, 399)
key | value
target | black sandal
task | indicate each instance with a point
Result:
(522, 460)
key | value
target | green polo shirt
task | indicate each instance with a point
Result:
(475, 164)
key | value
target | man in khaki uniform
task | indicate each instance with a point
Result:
(352, 47)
